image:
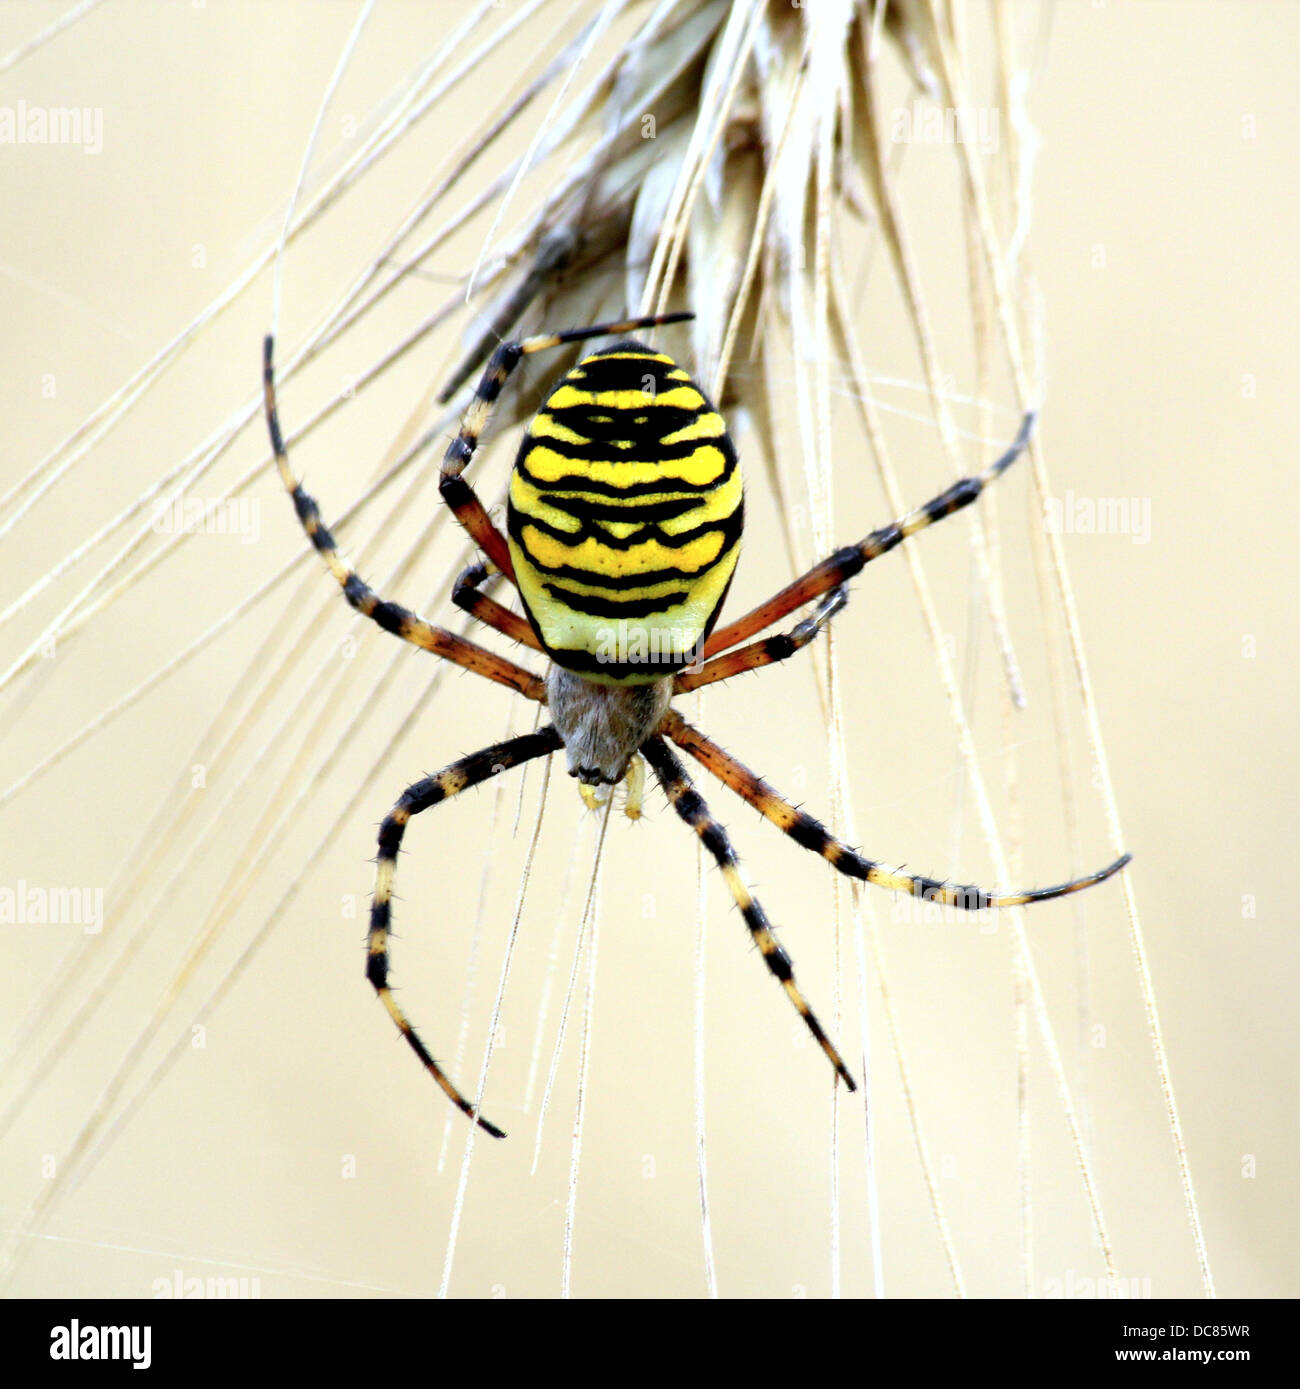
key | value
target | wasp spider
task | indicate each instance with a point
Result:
(622, 534)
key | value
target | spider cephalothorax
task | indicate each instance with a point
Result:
(624, 528)
(603, 726)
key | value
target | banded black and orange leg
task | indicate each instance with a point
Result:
(845, 564)
(766, 650)
(392, 617)
(812, 834)
(431, 791)
(688, 803)
(455, 490)
(467, 594)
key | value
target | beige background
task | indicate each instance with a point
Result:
(1164, 239)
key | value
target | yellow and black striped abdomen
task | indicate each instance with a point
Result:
(624, 517)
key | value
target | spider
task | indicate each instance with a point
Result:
(623, 529)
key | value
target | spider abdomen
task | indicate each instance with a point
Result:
(624, 518)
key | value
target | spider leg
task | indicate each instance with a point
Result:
(635, 783)
(392, 617)
(455, 490)
(431, 791)
(767, 649)
(687, 802)
(812, 834)
(554, 254)
(468, 596)
(844, 564)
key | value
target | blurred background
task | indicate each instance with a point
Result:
(290, 1138)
